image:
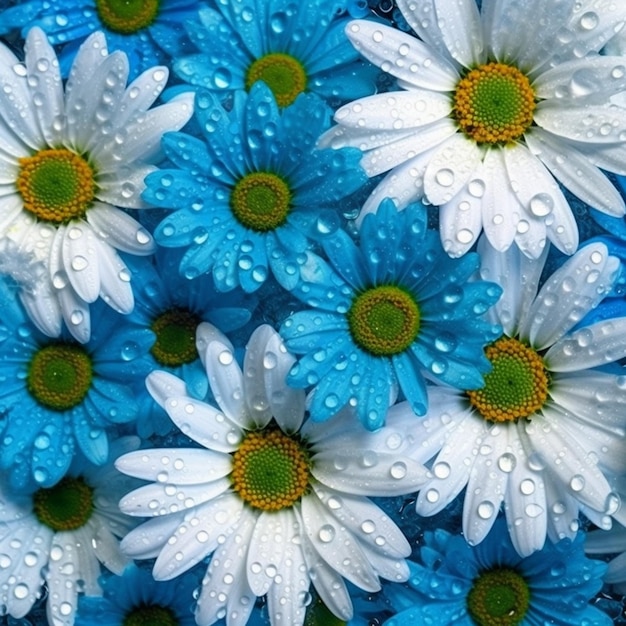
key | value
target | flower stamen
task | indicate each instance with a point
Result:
(66, 506)
(127, 16)
(175, 332)
(283, 74)
(150, 615)
(261, 201)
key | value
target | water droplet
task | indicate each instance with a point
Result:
(589, 20)
(398, 470)
(577, 483)
(507, 462)
(485, 509)
(326, 533)
(445, 177)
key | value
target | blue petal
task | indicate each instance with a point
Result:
(408, 372)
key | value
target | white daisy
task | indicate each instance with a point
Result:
(58, 537)
(68, 158)
(277, 503)
(547, 429)
(496, 107)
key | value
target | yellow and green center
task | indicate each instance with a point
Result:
(499, 597)
(494, 104)
(175, 332)
(270, 470)
(127, 16)
(66, 506)
(56, 185)
(318, 614)
(261, 201)
(150, 615)
(283, 74)
(384, 320)
(517, 385)
(60, 376)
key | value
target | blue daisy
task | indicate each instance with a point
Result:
(135, 598)
(172, 307)
(293, 47)
(58, 395)
(248, 197)
(393, 309)
(460, 585)
(148, 31)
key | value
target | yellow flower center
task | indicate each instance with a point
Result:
(66, 506)
(384, 320)
(516, 387)
(494, 104)
(270, 470)
(261, 201)
(56, 185)
(499, 597)
(127, 16)
(283, 74)
(175, 332)
(59, 376)
(150, 615)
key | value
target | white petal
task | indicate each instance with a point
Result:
(255, 393)
(147, 540)
(562, 508)
(450, 168)
(577, 172)
(120, 230)
(163, 385)
(611, 157)
(115, 287)
(461, 30)
(207, 333)
(106, 546)
(406, 57)
(76, 314)
(569, 294)
(610, 542)
(80, 260)
(124, 186)
(141, 94)
(43, 309)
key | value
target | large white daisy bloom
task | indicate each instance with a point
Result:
(278, 503)
(69, 157)
(496, 107)
(57, 537)
(547, 430)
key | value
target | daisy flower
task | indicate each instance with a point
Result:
(69, 157)
(490, 584)
(277, 503)
(496, 108)
(547, 429)
(59, 395)
(147, 31)
(249, 192)
(56, 538)
(392, 310)
(293, 48)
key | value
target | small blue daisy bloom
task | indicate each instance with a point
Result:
(248, 197)
(393, 309)
(460, 585)
(58, 394)
(136, 599)
(172, 307)
(148, 31)
(293, 47)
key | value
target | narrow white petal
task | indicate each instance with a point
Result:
(141, 93)
(80, 261)
(62, 577)
(106, 546)
(611, 157)
(162, 385)
(43, 308)
(461, 30)
(115, 287)
(563, 508)
(147, 540)
(226, 380)
(406, 57)
(255, 393)
(610, 542)
(569, 294)
(120, 230)
(123, 187)
(207, 333)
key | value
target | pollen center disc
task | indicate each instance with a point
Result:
(283, 74)
(127, 16)
(494, 104)
(66, 506)
(517, 385)
(175, 332)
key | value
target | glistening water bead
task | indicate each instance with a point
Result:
(127, 16)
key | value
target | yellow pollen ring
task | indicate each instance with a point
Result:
(282, 73)
(516, 387)
(127, 16)
(494, 104)
(270, 470)
(56, 185)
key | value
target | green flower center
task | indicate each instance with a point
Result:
(270, 470)
(260, 201)
(66, 506)
(56, 185)
(59, 376)
(494, 104)
(499, 597)
(283, 74)
(517, 385)
(384, 320)
(150, 615)
(317, 614)
(127, 16)
(175, 332)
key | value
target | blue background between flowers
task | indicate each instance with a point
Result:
(271, 304)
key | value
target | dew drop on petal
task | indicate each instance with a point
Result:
(326, 533)
(485, 509)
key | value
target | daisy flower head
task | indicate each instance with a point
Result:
(248, 194)
(497, 107)
(456, 584)
(278, 503)
(147, 31)
(56, 538)
(70, 156)
(545, 434)
(59, 396)
(292, 47)
(392, 310)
